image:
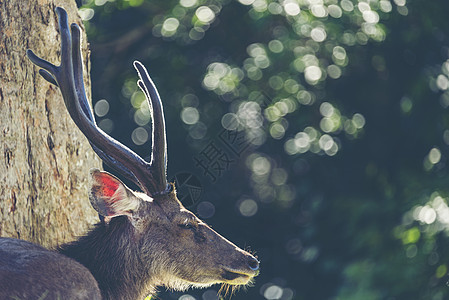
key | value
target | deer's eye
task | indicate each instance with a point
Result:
(187, 225)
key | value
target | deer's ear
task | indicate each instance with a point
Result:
(109, 196)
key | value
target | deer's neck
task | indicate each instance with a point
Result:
(111, 254)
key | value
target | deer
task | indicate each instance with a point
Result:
(143, 240)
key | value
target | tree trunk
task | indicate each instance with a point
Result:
(45, 159)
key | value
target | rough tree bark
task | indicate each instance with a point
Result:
(45, 160)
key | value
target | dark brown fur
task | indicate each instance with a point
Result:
(156, 243)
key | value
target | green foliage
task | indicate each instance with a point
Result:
(343, 190)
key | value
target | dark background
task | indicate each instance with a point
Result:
(339, 182)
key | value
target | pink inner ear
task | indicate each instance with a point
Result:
(109, 185)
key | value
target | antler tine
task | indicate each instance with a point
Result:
(159, 151)
(77, 65)
(69, 78)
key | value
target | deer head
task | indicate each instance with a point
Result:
(146, 238)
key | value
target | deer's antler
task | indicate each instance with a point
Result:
(150, 177)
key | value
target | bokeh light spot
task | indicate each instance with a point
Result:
(326, 109)
(339, 53)
(291, 7)
(442, 82)
(100, 2)
(370, 17)
(188, 3)
(205, 14)
(260, 5)
(446, 137)
(256, 50)
(137, 99)
(86, 13)
(101, 108)
(318, 34)
(312, 74)
(290, 147)
(171, 24)
(254, 73)
(196, 33)
(305, 97)
(276, 82)
(275, 8)
(135, 3)
(319, 11)
(248, 207)
(279, 176)
(205, 210)
(190, 115)
(275, 46)
(302, 142)
(261, 166)
(262, 61)
(334, 11)
(334, 71)
(139, 136)
(277, 131)
(441, 271)
(411, 251)
(142, 117)
(246, 2)
(273, 292)
(347, 5)
(291, 86)
(363, 6)
(406, 105)
(230, 121)
(198, 130)
(186, 297)
(210, 295)
(358, 120)
(107, 125)
(385, 6)
(411, 236)
(434, 156)
(328, 145)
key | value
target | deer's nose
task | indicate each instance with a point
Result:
(253, 263)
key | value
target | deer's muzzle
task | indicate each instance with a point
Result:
(243, 275)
